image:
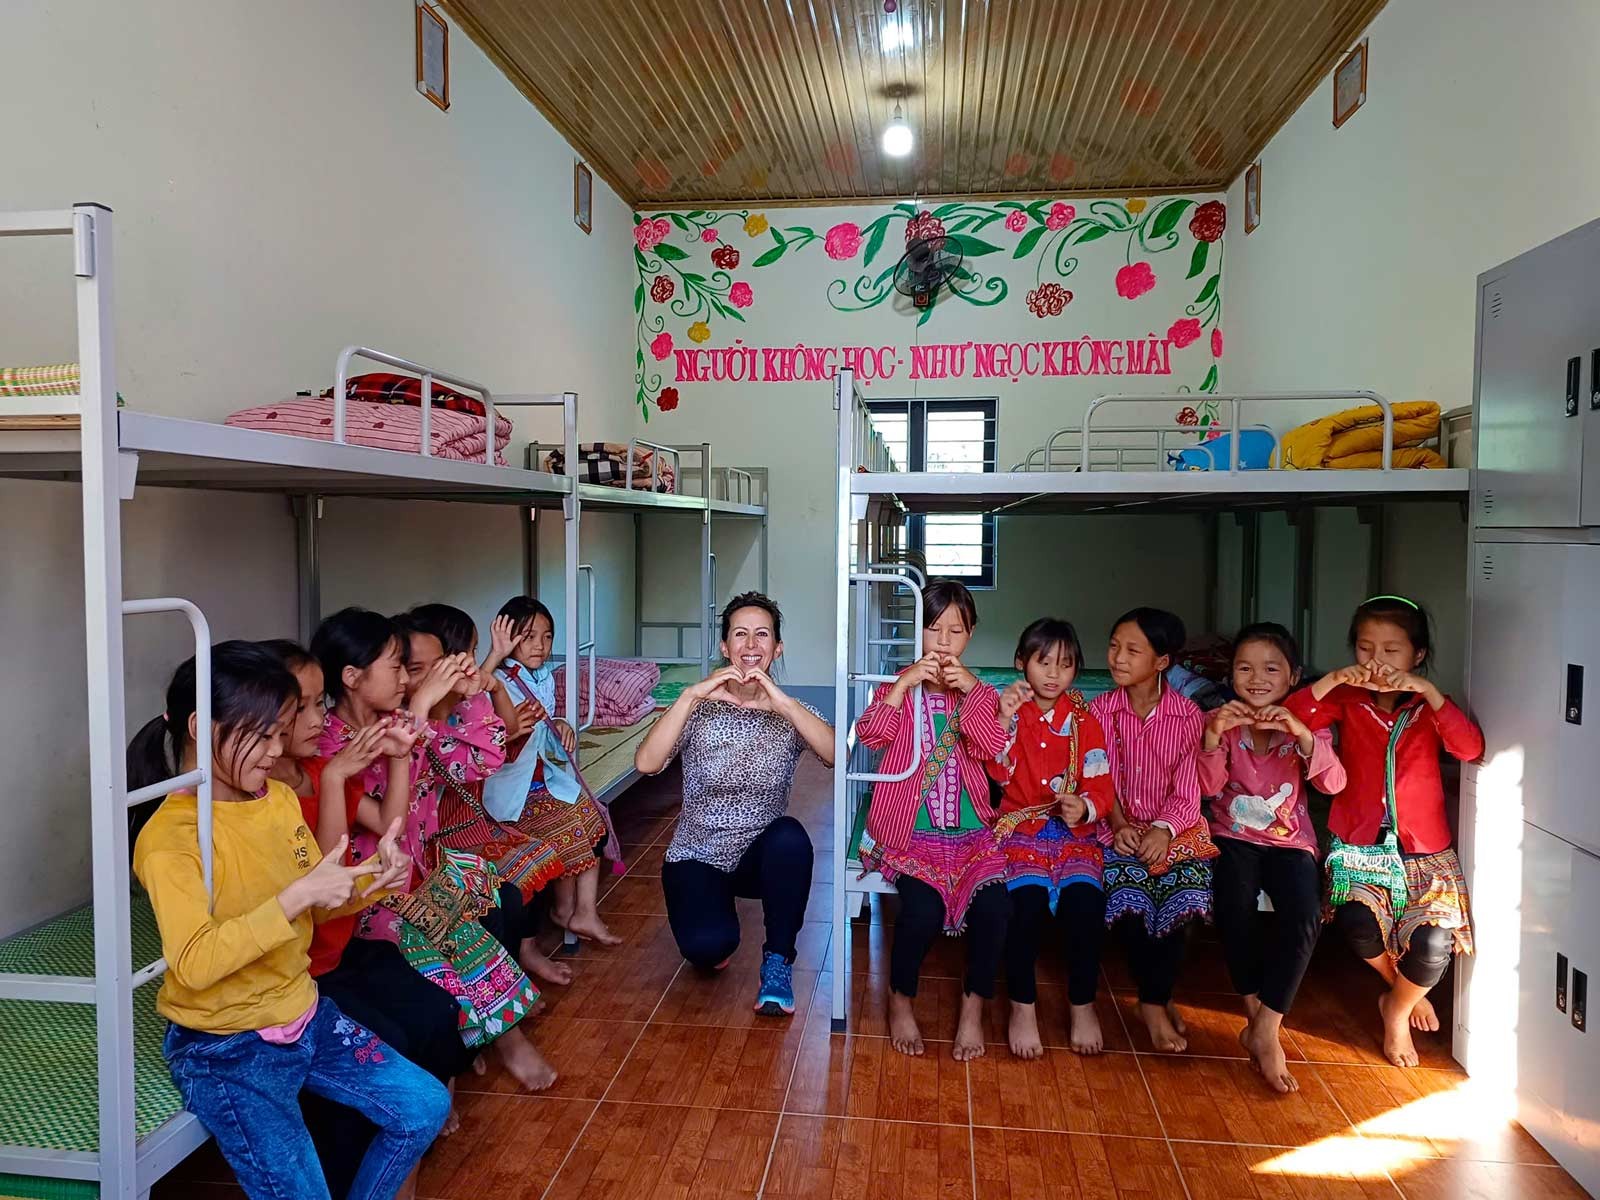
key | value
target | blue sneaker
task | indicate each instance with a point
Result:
(776, 997)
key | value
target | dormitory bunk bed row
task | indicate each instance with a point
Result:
(86, 1101)
(879, 583)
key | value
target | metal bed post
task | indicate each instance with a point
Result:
(307, 512)
(844, 406)
(708, 598)
(108, 783)
(638, 586)
(571, 509)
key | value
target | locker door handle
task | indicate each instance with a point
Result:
(1574, 381)
(1594, 378)
(1561, 983)
(1580, 1001)
(1574, 705)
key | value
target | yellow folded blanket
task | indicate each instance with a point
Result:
(1353, 439)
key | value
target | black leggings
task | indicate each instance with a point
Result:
(921, 920)
(1427, 954)
(1268, 964)
(1154, 960)
(1080, 923)
(776, 870)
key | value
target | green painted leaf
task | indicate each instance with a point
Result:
(691, 278)
(638, 298)
(770, 257)
(1012, 205)
(671, 253)
(974, 247)
(638, 258)
(926, 313)
(1090, 233)
(776, 236)
(1028, 242)
(1037, 210)
(1166, 220)
(875, 241)
(1210, 382)
(1210, 289)
(697, 214)
(1197, 260)
(959, 224)
(944, 210)
(679, 222)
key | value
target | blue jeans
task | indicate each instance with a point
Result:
(245, 1091)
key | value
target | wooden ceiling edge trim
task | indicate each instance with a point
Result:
(1211, 188)
(1300, 95)
(531, 93)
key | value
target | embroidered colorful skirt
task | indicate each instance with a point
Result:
(526, 862)
(491, 990)
(573, 830)
(1163, 902)
(1437, 892)
(954, 864)
(1042, 851)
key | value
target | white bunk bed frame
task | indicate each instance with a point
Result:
(88, 439)
(1114, 477)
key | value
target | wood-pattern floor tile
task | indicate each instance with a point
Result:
(530, 1138)
(645, 862)
(727, 997)
(1054, 1015)
(1455, 1179)
(637, 894)
(1214, 1172)
(1012, 1164)
(1214, 1020)
(1062, 1092)
(644, 936)
(1204, 969)
(705, 1066)
(586, 1055)
(1345, 1029)
(1436, 1109)
(841, 1075)
(1220, 1100)
(835, 1158)
(665, 1152)
(937, 1004)
(621, 987)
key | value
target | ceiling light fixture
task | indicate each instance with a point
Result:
(897, 138)
(897, 34)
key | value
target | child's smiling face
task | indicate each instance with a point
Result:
(532, 647)
(1261, 674)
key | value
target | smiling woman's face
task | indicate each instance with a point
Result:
(752, 643)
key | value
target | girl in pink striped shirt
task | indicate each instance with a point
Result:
(1255, 760)
(930, 834)
(1157, 868)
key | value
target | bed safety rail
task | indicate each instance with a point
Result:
(658, 451)
(341, 376)
(922, 750)
(581, 722)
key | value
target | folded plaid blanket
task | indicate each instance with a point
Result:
(58, 379)
(608, 463)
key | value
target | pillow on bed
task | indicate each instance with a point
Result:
(383, 387)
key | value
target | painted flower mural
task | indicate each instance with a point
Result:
(685, 267)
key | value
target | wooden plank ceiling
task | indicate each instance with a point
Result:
(742, 101)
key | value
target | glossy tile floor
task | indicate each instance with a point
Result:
(671, 1087)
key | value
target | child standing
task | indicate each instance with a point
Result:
(1395, 886)
(1255, 760)
(1058, 794)
(930, 834)
(249, 1032)
(1157, 873)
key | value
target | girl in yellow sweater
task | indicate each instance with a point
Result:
(248, 1031)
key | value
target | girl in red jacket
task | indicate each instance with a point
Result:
(930, 834)
(1058, 793)
(1395, 887)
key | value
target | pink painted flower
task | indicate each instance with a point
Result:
(1188, 416)
(1185, 332)
(648, 234)
(923, 225)
(1134, 280)
(1016, 220)
(1216, 343)
(1060, 216)
(661, 347)
(740, 295)
(661, 289)
(843, 240)
(668, 399)
(708, 236)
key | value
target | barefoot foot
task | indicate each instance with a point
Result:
(1398, 1047)
(525, 1064)
(1024, 1032)
(1424, 1018)
(1177, 1020)
(969, 1030)
(904, 1035)
(1086, 1035)
(541, 966)
(1265, 1049)
(1164, 1035)
(590, 928)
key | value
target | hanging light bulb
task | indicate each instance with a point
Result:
(897, 138)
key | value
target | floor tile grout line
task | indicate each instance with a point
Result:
(1353, 1127)
(567, 1157)
(1150, 1092)
(783, 1105)
(972, 1136)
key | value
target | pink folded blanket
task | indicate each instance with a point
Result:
(623, 689)
(453, 435)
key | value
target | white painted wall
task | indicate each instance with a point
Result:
(1469, 150)
(280, 190)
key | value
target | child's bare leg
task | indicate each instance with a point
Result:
(453, 1121)
(564, 900)
(1086, 1037)
(969, 1029)
(585, 920)
(1397, 1005)
(1262, 1039)
(540, 965)
(527, 1066)
(905, 1035)
(1024, 1032)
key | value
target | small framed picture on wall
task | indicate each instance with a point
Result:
(433, 56)
(1252, 197)
(1350, 84)
(582, 197)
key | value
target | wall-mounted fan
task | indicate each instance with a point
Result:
(928, 264)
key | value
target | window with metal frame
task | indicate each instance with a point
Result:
(945, 435)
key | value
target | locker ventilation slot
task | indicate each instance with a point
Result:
(1496, 302)
(1488, 566)
(1486, 500)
